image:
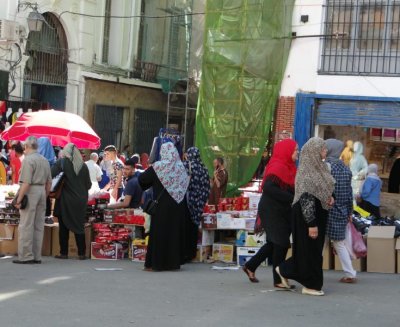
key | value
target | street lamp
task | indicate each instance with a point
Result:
(35, 19)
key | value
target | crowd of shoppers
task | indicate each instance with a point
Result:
(309, 203)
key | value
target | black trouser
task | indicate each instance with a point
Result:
(48, 207)
(64, 239)
(372, 209)
(268, 250)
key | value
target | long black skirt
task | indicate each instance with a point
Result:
(305, 265)
(165, 250)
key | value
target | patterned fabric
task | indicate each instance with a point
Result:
(199, 186)
(72, 153)
(116, 166)
(46, 150)
(171, 172)
(307, 204)
(313, 175)
(281, 164)
(343, 207)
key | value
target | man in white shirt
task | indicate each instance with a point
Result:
(95, 172)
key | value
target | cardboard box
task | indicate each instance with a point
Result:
(225, 221)
(8, 239)
(209, 221)
(46, 246)
(244, 254)
(72, 249)
(381, 255)
(139, 253)
(203, 253)
(206, 237)
(398, 254)
(359, 265)
(254, 199)
(247, 238)
(103, 251)
(10, 245)
(250, 223)
(222, 252)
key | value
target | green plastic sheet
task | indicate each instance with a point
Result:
(246, 47)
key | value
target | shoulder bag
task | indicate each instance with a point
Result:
(57, 183)
(150, 207)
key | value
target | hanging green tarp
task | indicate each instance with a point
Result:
(246, 47)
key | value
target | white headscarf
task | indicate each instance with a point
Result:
(71, 152)
(358, 164)
(313, 174)
(171, 172)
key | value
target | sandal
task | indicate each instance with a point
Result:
(281, 286)
(348, 280)
(61, 256)
(284, 280)
(250, 274)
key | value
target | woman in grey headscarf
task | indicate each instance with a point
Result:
(70, 208)
(314, 187)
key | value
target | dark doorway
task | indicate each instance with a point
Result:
(147, 126)
(108, 125)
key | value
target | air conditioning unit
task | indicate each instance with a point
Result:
(9, 30)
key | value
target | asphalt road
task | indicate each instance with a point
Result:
(72, 293)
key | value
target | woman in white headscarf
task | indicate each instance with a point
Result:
(314, 186)
(358, 167)
(170, 181)
(70, 208)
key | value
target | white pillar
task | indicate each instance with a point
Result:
(71, 101)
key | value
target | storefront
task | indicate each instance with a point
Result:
(373, 121)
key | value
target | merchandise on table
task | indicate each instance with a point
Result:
(248, 238)
(223, 252)
(203, 254)
(205, 237)
(139, 253)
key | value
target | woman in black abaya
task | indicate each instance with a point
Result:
(314, 187)
(170, 181)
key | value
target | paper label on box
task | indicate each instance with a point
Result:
(139, 253)
(103, 251)
(223, 252)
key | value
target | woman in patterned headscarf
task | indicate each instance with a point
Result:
(196, 197)
(314, 186)
(170, 182)
(70, 208)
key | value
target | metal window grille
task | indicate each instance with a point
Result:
(48, 54)
(106, 32)
(363, 37)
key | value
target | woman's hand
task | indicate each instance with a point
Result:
(313, 232)
(331, 202)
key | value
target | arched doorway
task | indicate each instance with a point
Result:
(46, 72)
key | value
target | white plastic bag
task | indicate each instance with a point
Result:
(349, 243)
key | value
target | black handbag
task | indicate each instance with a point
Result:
(150, 207)
(24, 201)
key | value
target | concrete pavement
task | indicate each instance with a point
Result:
(73, 293)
